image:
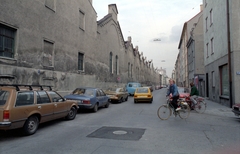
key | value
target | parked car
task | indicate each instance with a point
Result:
(150, 87)
(131, 87)
(26, 106)
(236, 109)
(89, 98)
(143, 94)
(117, 95)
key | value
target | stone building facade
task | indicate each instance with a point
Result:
(221, 20)
(195, 54)
(60, 43)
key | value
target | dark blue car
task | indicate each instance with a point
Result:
(89, 98)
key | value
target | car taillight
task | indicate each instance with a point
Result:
(149, 95)
(6, 115)
(86, 102)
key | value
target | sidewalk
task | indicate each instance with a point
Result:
(217, 109)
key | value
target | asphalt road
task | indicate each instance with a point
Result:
(129, 128)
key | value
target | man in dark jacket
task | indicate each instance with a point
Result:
(175, 95)
(194, 94)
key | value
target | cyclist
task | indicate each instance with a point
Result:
(194, 94)
(175, 95)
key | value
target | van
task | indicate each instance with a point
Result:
(131, 87)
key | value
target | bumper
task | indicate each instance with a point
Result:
(236, 112)
(85, 106)
(142, 99)
(5, 124)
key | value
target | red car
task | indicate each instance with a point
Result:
(183, 92)
(236, 109)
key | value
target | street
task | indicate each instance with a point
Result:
(132, 129)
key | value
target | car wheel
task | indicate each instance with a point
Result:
(126, 99)
(121, 100)
(151, 101)
(31, 125)
(107, 105)
(135, 101)
(95, 108)
(71, 114)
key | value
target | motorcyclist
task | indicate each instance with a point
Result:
(175, 95)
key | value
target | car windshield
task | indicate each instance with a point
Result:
(118, 90)
(142, 90)
(3, 97)
(83, 91)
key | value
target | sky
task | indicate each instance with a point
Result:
(149, 20)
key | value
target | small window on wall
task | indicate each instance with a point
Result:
(206, 24)
(7, 39)
(81, 20)
(213, 79)
(128, 69)
(116, 65)
(51, 4)
(224, 80)
(80, 61)
(212, 46)
(48, 53)
(211, 18)
(110, 62)
(207, 54)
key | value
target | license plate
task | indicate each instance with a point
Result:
(142, 96)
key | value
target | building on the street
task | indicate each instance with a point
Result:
(195, 56)
(183, 50)
(60, 43)
(221, 20)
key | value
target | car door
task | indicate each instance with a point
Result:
(45, 106)
(104, 97)
(99, 97)
(60, 107)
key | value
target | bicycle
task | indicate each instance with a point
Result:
(166, 110)
(200, 107)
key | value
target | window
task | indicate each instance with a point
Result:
(213, 79)
(205, 3)
(131, 70)
(81, 20)
(48, 53)
(42, 97)
(3, 97)
(80, 61)
(211, 18)
(116, 65)
(7, 38)
(128, 69)
(50, 4)
(206, 21)
(25, 98)
(224, 82)
(212, 46)
(207, 50)
(55, 97)
(110, 62)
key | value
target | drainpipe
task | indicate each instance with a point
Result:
(229, 55)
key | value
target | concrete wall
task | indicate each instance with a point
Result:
(49, 36)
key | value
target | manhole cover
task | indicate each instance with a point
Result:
(119, 132)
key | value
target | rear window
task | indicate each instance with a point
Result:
(3, 97)
(83, 91)
(142, 90)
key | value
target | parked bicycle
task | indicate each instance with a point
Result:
(166, 110)
(200, 107)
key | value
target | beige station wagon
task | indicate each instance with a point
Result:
(26, 106)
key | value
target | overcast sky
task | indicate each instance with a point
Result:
(146, 20)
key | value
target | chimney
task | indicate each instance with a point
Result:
(201, 7)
